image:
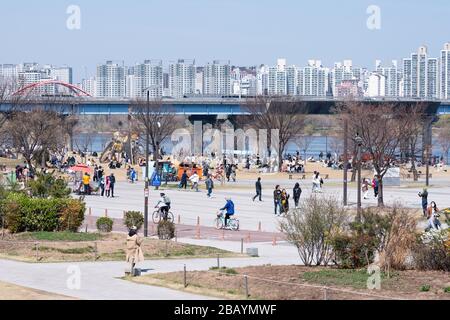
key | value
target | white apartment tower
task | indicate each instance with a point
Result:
(217, 79)
(110, 80)
(420, 75)
(313, 80)
(445, 72)
(148, 78)
(182, 78)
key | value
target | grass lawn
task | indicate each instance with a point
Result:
(288, 283)
(65, 247)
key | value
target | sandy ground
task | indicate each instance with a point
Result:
(13, 292)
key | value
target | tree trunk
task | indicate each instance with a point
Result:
(380, 193)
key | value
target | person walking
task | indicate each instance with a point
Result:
(134, 250)
(183, 181)
(102, 186)
(375, 186)
(277, 200)
(112, 181)
(424, 196)
(258, 186)
(297, 194)
(209, 186)
(285, 201)
(108, 186)
(194, 180)
(365, 188)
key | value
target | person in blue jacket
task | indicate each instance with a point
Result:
(229, 208)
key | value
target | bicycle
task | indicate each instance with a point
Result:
(219, 222)
(157, 216)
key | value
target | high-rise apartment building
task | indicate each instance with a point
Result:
(110, 80)
(313, 80)
(217, 79)
(444, 73)
(182, 77)
(148, 77)
(421, 75)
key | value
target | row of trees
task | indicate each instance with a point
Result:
(383, 128)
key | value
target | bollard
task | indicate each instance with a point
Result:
(106, 213)
(179, 219)
(242, 246)
(90, 211)
(198, 221)
(247, 295)
(36, 244)
(260, 227)
(218, 261)
(185, 277)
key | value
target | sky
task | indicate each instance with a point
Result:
(246, 32)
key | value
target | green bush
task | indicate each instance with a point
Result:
(353, 251)
(105, 224)
(49, 186)
(166, 230)
(134, 219)
(38, 214)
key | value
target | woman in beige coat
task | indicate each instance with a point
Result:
(134, 251)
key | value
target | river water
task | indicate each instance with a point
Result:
(317, 145)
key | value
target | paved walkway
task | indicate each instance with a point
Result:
(191, 205)
(100, 280)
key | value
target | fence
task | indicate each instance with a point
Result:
(252, 287)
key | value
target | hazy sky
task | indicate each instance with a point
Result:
(247, 32)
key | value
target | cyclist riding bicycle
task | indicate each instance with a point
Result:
(229, 208)
(163, 205)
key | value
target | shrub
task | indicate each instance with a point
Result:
(353, 251)
(134, 219)
(388, 232)
(37, 214)
(72, 215)
(49, 186)
(166, 230)
(105, 224)
(312, 227)
(431, 252)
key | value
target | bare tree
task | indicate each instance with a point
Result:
(443, 136)
(34, 132)
(284, 114)
(154, 120)
(411, 122)
(379, 128)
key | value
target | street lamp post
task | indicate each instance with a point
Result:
(358, 141)
(345, 162)
(146, 191)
